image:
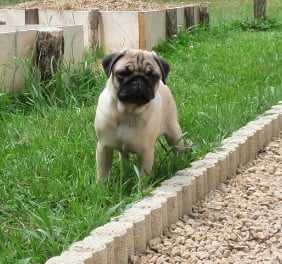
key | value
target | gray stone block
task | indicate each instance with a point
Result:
(232, 150)
(211, 165)
(72, 257)
(94, 246)
(192, 180)
(123, 238)
(141, 220)
(156, 208)
(185, 182)
(223, 159)
(109, 242)
(173, 196)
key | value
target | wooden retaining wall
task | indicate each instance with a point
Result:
(111, 30)
(18, 43)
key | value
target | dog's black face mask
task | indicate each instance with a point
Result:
(137, 89)
(136, 76)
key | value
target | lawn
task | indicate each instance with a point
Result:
(5, 3)
(220, 78)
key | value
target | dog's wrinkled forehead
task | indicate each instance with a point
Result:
(138, 61)
(135, 60)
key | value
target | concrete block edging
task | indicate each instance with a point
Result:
(148, 218)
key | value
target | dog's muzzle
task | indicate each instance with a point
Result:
(136, 91)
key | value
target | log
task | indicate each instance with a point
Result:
(94, 27)
(171, 23)
(204, 15)
(259, 9)
(31, 16)
(2, 22)
(49, 51)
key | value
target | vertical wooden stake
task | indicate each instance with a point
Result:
(94, 27)
(259, 9)
(142, 37)
(204, 15)
(190, 20)
(49, 51)
(31, 16)
(171, 23)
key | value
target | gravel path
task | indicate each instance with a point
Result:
(102, 5)
(239, 222)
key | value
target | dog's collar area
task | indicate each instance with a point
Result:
(131, 108)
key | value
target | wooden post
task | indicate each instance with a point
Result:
(93, 27)
(2, 22)
(190, 19)
(31, 16)
(49, 51)
(171, 23)
(259, 9)
(141, 26)
(204, 15)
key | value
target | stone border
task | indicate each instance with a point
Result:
(131, 231)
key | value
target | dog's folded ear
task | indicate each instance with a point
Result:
(109, 61)
(164, 66)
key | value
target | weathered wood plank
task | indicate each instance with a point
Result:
(204, 15)
(94, 27)
(31, 16)
(171, 22)
(259, 9)
(190, 17)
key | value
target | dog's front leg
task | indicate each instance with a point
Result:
(124, 156)
(145, 161)
(104, 158)
(174, 138)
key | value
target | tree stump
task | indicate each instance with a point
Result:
(49, 51)
(93, 27)
(259, 9)
(171, 23)
(31, 16)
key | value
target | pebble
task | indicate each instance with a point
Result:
(238, 222)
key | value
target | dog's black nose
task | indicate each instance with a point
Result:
(138, 83)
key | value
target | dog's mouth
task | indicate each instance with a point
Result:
(136, 91)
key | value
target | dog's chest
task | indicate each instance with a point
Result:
(125, 129)
(127, 133)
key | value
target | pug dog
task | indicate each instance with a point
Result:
(134, 108)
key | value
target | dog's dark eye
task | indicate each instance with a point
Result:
(122, 74)
(152, 74)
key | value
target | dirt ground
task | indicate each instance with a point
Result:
(102, 5)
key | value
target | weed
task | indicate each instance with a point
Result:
(261, 24)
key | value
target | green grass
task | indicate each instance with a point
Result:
(5, 3)
(220, 78)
